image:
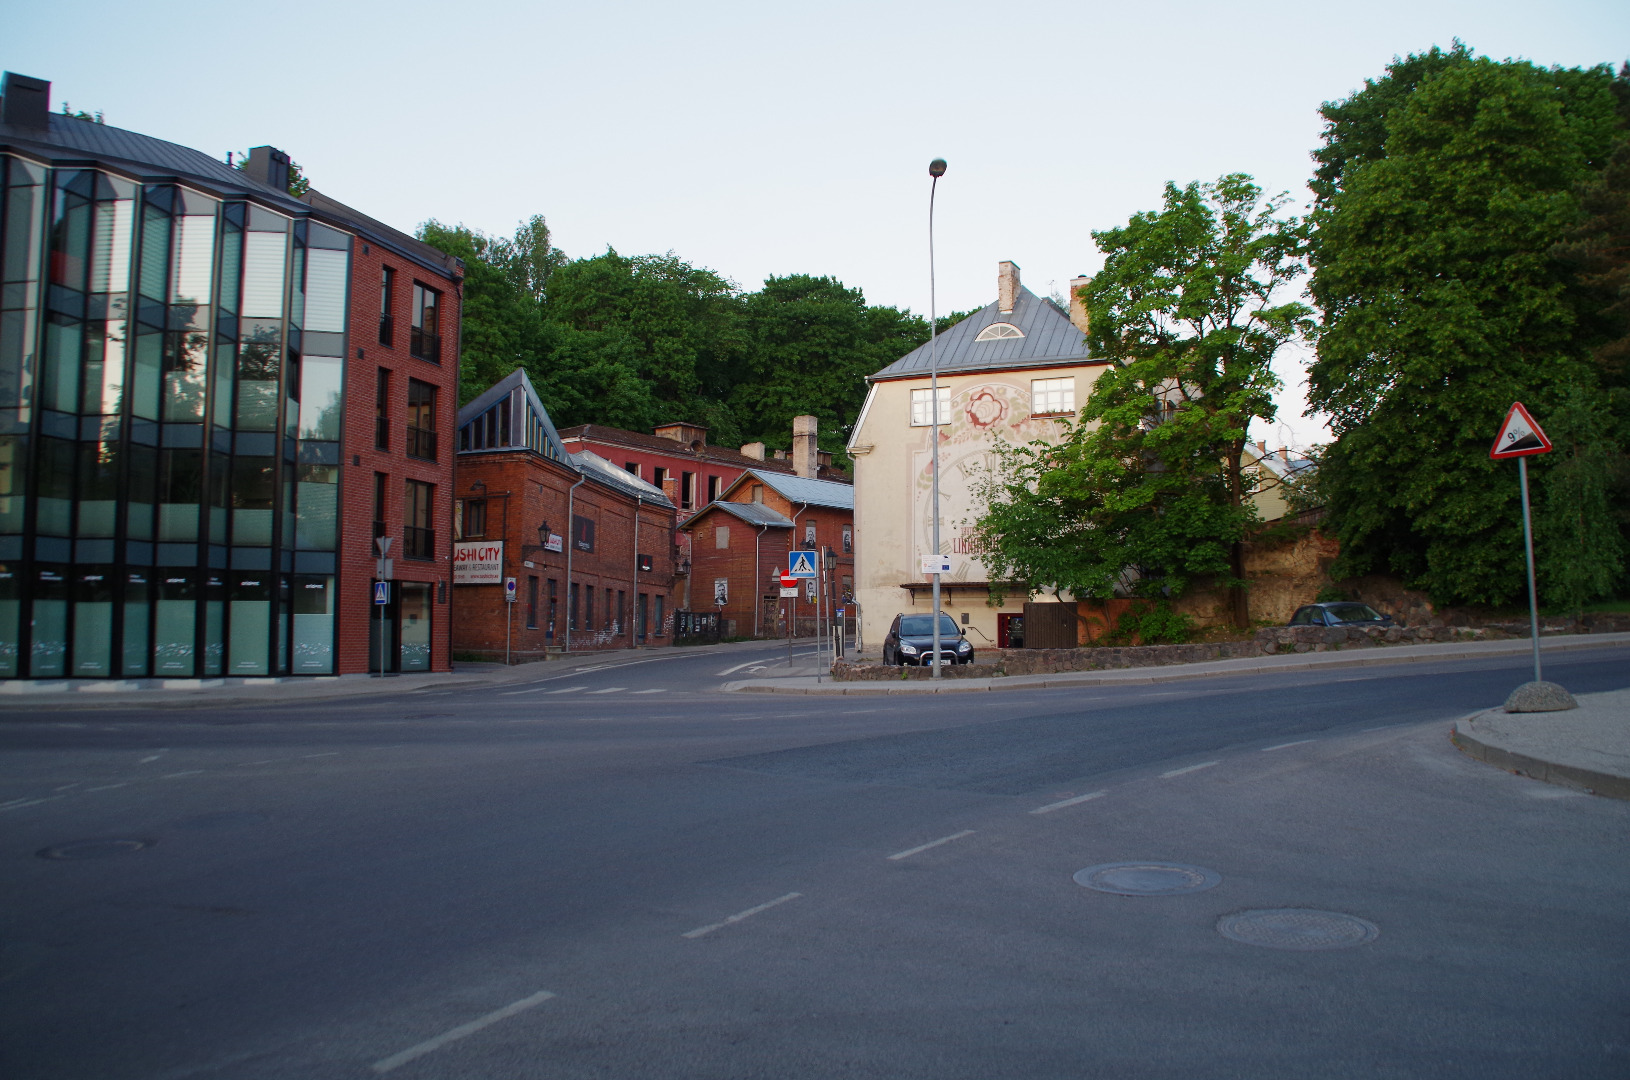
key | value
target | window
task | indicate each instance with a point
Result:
(632, 467)
(379, 504)
(920, 407)
(531, 603)
(475, 518)
(687, 490)
(758, 493)
(1052, 397)
(571, 610)
(622, 602)
(588, 607)
(382, 411)
(809, 534)
(418, 537)
(848, 539)
(387, 290)
(554, 600)
(656, 629)
(721, 537)
(421, 425)
(659, 476)
(999, 332)
(425, 340)
(712, 488)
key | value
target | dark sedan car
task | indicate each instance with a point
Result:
(910, 640)
(1339, 613)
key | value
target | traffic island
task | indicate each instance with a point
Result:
(1586, 748)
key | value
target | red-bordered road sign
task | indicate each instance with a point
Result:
(1519, 436)
(788, 581)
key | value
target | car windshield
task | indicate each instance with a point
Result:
(1353, 613)
(923, 626)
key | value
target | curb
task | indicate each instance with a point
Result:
(1590, 781)
(1396, 654)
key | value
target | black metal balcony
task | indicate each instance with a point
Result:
(421, 443)
(418, 543)
(425, 346)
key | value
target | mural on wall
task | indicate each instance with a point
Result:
(980, 415)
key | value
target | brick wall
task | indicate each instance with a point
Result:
(361, 460)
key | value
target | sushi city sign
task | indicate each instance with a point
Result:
(478, 562)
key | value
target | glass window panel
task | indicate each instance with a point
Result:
(70, 232)
(264, 220)
(921, 413)
(142, 492)
(231, 267)
(194, 258)
(104, 368)
(55, 479)
(313, 625)
(249, 625)
(98, 488)
(59, 381)
(12, 486)
(317, 520)
(155, 252)
(297, 288)
(110, 246)
(16, 358)
(181, 490)
(186, 367)
(175, 624)
(10, 621)
(93, 623)
(214, 624)
(415, 625)
(258, 368)
(226, 356)
(263, 275)
(149, 374)
(321, 378)
(50, 627)
(25, 206)
(325, 290)
(253, 480)
(137, 602)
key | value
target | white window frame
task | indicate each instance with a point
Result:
(1052, 397)
(920, 407)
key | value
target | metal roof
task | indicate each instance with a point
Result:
(752, 513)
(598, 468)
(1050, 339)
(799, 489)
(500, 391)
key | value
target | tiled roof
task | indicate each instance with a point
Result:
(1050, 339)
(635, 440)
(752, 513)
(798, 489)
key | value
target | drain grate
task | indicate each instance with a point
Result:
(1298, 929)
(92, 849)
(1147, 878)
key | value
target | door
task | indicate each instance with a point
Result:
(1010, 631)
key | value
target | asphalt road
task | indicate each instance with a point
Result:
(621, 872)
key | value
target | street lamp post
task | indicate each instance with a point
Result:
(936, 169)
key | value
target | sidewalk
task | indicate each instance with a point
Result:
(1586, 748)
(1254, 665)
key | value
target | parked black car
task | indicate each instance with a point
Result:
(910, 640)
(1339, 613)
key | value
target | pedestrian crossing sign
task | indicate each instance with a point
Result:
(382, 592)
(801, 564)
(1519, 436)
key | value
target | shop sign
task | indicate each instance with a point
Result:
(478, 562)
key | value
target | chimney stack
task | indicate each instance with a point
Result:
(270, 166)
(803, 446)
(753, 450)
(1078, 307)
(25, 102)
(1007, 286)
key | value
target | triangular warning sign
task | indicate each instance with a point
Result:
(1519, 436)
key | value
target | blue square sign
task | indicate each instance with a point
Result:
(801, 564)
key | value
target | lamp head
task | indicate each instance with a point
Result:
(936, 168)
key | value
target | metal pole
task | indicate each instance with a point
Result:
(820, 594)
(509, 624)
(1528, 545)
(935, 169)
(634, 593)
(571, 542)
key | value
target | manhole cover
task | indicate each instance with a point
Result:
(1147, 878)
(92, 849)
(1301, 929)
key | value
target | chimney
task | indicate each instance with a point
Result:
(753, 450)
(692, 435)
(25, 102)
(1078, 307)
(270, 166)
(1284, 454)
(803, 446)
(670, 488)
(1007, 286)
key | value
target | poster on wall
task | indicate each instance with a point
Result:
(478, 562)
(721, 591)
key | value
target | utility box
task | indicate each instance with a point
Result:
(1049, 626)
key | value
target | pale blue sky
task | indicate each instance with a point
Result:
(758, 138)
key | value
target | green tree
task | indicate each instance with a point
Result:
(1190, 310)
(1441, 190)
(1579, 540)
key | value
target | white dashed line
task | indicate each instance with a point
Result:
(1188, 769)
(908, 852)
(1050, 807)
(738, 667)
(610, 690)
(739, 916)
(330, 753)
(105, 787)
(15, 802)
(387, 1064)
(20, 805)
(569, 690)
(179, 775)
(1281, 746)
(67, 787)
(662, 690)
(153, 757)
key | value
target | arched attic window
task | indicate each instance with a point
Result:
(998, 331)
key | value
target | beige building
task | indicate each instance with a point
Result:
(1010, 372)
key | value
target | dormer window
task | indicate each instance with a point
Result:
(998, 331)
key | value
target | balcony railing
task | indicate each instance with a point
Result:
(386, 330)
(421, 443)
(418, 543)
(425, 346)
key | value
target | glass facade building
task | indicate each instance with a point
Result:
(171, 367)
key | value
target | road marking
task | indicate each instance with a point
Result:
(662, 690)
(67, 787)
(178, 775)
(268, 761)
(738, 667)
(906, 854)
(20, 805)
(740, 915)
(105, 787)
(14, 802)
(610, 690)
(154, 757)
(330, 753)
(569, 690)
(387, 1064)
(1188, 769)
(1088, 797)
(1281, 746)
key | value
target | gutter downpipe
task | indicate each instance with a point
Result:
(793, 546)
(571, 546)
(758, 568)
(634, 589)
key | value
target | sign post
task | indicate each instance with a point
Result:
(382, 590)
(509, 616)
(1521, 438)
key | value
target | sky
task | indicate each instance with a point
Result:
(763, 139)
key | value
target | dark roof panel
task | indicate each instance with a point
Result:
(1049, 339)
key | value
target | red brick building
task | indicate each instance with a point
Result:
(678, 459)
(740, 544)
(590, 546)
